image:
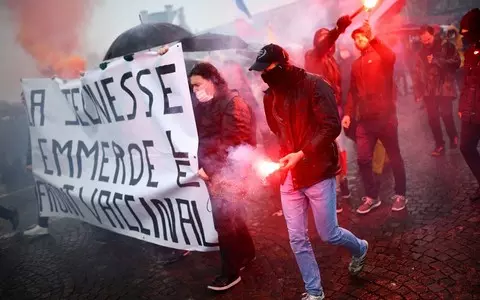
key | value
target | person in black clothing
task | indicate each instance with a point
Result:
(372, 95)
(434, 80)
(224, 120)
(301, 111)
(469, 108)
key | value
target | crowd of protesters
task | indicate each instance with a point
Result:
(305, 111)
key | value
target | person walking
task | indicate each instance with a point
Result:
(301, 111)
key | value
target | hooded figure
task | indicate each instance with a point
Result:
(320, 61)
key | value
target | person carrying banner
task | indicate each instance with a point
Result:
(320, 61)
(224, 120)
(41, 228)
(301, 111)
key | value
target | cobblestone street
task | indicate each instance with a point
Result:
(425, 252)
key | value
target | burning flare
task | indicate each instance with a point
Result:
(265, 168)
(369, 4)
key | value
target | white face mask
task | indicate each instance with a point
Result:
(202, 96)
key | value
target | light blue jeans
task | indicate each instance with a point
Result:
(322, 198)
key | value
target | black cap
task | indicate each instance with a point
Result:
(267, 55)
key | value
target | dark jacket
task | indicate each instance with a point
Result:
(320, 61)
(303, 115)
(372, 93)
(470, 97)
(224, 122)
(438, 78)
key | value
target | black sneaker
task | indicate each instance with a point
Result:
(438, 151)
(344, 189)
(223, 283)
(454, 143)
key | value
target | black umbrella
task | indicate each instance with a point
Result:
(145, 36)
(212, 42)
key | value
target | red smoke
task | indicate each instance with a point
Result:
(51, 32)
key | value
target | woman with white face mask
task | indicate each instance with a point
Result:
(224, 120)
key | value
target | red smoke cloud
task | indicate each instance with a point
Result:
(51, 32)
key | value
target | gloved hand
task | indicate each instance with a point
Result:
(343, 22)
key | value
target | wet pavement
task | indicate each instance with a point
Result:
(425, 252)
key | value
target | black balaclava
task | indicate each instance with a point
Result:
(276, 76)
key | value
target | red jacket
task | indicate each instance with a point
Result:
(372, 92)
(320, 61)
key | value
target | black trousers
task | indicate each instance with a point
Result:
(440, 107)
(368, 132)
(235, 242)
(6, 213)
(470, 137)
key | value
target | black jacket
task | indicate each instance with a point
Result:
(222, 123)
(372, 94)
(437, 78)
(470, 98)
(303, 115)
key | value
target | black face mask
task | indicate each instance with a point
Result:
(275, 76)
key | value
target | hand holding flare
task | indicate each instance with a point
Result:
(265, 168)
(367, 5)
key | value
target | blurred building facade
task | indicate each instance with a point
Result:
(169, 15)
(438, 11)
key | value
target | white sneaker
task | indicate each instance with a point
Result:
(307, 296)
(36, 231)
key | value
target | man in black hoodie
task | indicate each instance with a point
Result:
(372, 95)
(301, 111)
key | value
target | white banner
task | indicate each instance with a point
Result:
(117, 149)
